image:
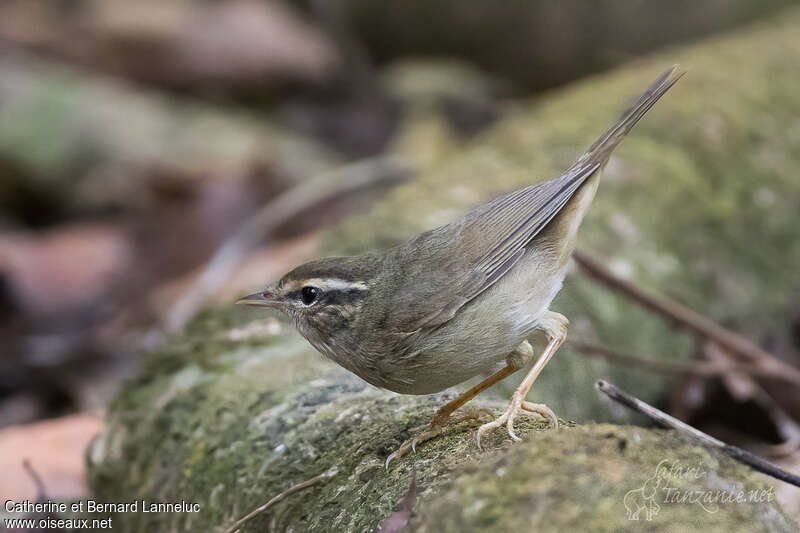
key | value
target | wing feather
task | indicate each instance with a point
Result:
(509, 223)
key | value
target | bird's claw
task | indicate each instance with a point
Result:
(432, 430)
(516, 406)
(391, 458)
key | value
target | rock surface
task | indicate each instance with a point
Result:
(234, 413)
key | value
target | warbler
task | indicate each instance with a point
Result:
(454, 302)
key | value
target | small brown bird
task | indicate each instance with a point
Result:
(457, 300)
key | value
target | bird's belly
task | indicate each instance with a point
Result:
(440, 368)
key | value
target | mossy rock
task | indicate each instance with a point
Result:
(232, 403)
(604, 478)
(234, 413)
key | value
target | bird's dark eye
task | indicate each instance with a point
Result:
(309, 294)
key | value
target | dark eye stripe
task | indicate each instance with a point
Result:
(330, 297)
(346, 297)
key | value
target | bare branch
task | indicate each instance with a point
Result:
(689, 319)
(696, 368)
(616, 356)
(753, 461)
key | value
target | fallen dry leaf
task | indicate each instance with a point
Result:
(65, 268)
(55, 450)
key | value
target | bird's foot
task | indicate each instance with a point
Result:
(434, 429)
(518, 405)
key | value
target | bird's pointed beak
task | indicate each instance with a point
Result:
(265, 298)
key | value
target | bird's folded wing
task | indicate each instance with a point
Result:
(507, 225)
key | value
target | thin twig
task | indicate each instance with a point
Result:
(753, 461)
(288, 492)
(689, 319)
(366, 174)
(41, 492)
(722, 345)
(730, 372)
(697, 368)
(614, 355)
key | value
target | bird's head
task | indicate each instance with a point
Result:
(325, 298)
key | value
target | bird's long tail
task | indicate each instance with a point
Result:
(601, 150)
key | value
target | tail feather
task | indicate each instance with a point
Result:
(601, 150)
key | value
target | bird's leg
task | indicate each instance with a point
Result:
(444, 415)
(555, 326)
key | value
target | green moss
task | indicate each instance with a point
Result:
(578, 479)
(216, 435)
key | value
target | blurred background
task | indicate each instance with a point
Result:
(138, 139)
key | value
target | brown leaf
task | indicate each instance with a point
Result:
(55, 448)
(399, 520)
(64, 268)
